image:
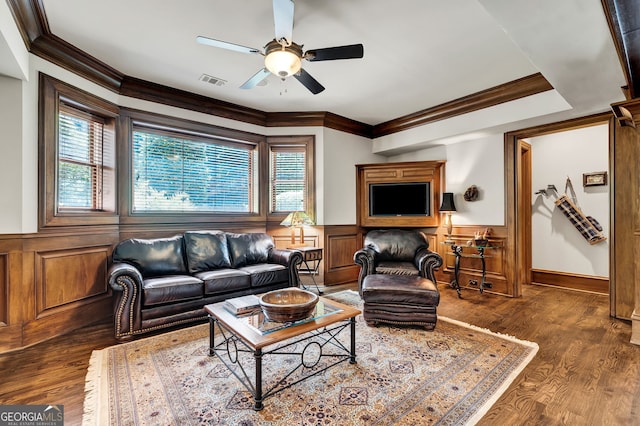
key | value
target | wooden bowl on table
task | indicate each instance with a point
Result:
(289, 304)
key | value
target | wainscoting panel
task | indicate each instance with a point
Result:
(52, 283)
(341, 242)
(67, 276)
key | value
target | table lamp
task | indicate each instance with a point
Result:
(447, 207)
(294, 220)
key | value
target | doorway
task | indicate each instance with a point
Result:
(520, 168)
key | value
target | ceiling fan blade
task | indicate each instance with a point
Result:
(283, 19)
(309, 82)
(255, 79)
(226, 45)
(352, 51)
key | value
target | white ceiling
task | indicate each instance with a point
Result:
(417, 53)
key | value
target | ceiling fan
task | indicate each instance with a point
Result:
(283, 57)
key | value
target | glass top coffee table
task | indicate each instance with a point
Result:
(315, 344)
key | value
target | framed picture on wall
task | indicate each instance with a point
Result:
(594, 179)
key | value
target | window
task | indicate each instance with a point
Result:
(288, 179)
(291, 175)
(80, 166)
(187, 172)
(77, 157)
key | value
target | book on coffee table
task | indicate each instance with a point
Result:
(243, 304)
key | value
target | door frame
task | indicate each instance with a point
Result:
(518, 195)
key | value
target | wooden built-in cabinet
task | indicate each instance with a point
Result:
(431, 172)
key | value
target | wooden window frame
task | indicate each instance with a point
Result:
(130, 119)
(307, 142)
(52, 93)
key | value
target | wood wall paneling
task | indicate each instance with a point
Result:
(625, 187)
(496, 265)
(341, 243)
(51, 283)
(4, 289)
(67, 276)
(404, 172)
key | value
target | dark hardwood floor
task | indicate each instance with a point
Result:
(585, 373)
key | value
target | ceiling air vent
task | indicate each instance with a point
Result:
(213, 80)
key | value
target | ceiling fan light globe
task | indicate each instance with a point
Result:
(283, 63)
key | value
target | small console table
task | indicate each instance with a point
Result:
(456, 250)
(310, 254)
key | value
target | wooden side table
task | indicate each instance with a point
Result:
(310, 254)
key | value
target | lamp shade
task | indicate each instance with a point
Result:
(283, 60)
(297, 219)
(447, 202)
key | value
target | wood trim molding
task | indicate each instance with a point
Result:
(516, 89)
(570, 280)
(148, 91)
(513, 216)
(30, 19)
(59, 52)
(318, 118)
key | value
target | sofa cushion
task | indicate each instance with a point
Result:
(224, 280)
(206, 250)
(395, 244)
(249, 249)
(171, 288)
(266, 273)
(154, 257)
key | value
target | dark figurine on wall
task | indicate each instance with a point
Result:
(471, 194)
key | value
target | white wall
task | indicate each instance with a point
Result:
(477, 162)
(342, 151)
(556, 244)
(11, 194)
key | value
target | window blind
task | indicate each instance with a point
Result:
(80, 159)
(288, 178)
(173, 172)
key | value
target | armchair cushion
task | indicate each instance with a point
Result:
(397, 268)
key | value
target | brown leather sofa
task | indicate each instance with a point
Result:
(165, 282)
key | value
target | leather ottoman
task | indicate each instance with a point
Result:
(400, 299)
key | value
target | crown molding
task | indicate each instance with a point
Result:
(31, 20)
(506, 92)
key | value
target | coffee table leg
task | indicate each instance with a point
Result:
(212, 322)
(352, 357)
(258, 395)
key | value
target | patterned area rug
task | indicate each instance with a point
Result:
(403, 375)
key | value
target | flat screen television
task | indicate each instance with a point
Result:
(400, 199)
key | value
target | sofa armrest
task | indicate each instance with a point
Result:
(427, 262)
(289, 258)
(365, 257)
(126, 281)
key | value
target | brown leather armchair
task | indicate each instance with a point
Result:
(396, 251)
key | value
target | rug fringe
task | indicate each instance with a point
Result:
(91, 407)
(486, 330)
